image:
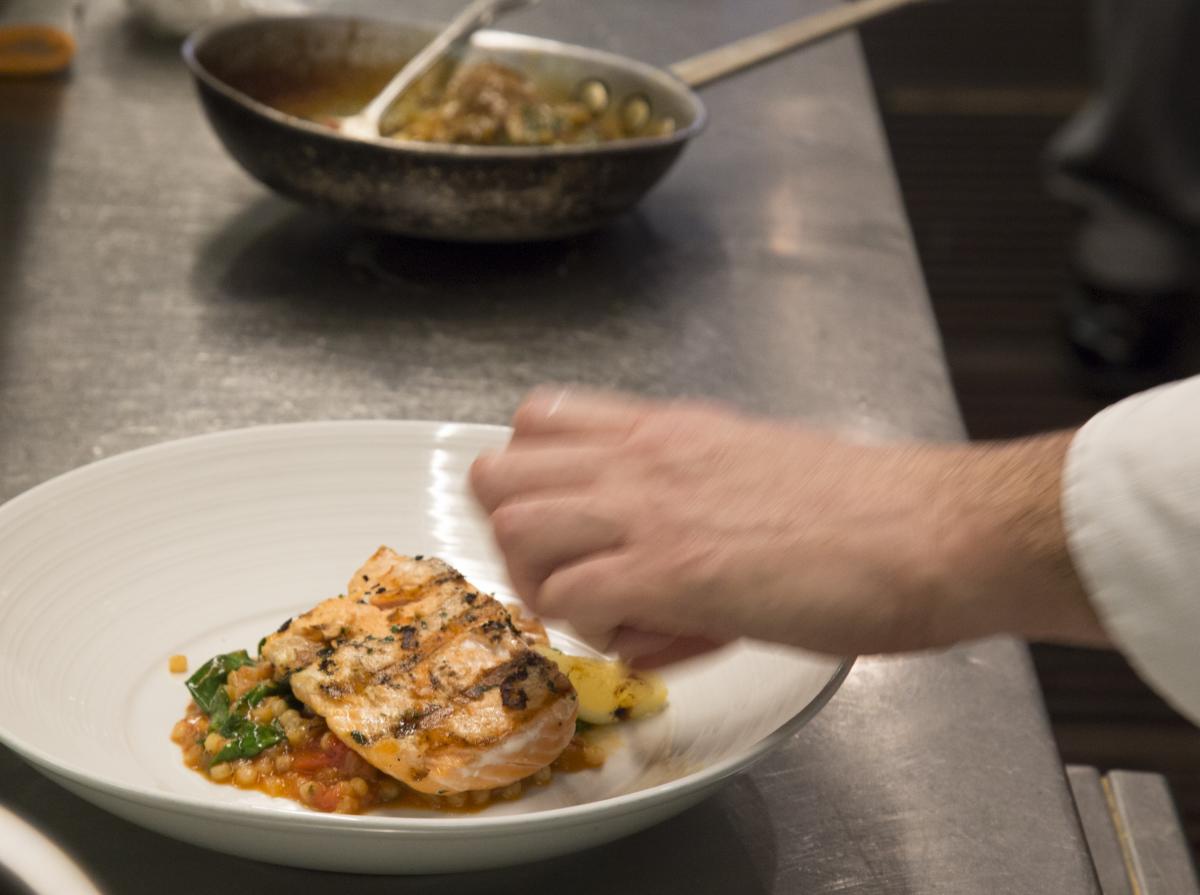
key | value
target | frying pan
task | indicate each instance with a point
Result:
(457, 192)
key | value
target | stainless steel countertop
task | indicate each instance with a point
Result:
(149, 290)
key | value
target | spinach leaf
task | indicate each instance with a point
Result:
(207, 685)
(246, 738)
(257, 694)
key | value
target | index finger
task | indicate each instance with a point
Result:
(573, 411)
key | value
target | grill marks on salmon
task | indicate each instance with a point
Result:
(299, 641)
(429, 681)
(389, 579)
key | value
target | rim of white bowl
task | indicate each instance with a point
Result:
(36, 862)
(263, 815)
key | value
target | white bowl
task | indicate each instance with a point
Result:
(36, 863)
(203, 545)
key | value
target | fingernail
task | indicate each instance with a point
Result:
(547, 399)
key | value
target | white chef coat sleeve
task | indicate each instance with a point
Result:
(1131, 508)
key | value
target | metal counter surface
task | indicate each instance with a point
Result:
(149, 290)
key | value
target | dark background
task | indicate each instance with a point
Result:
(971, 92)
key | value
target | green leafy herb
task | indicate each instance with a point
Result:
(257, 694)
(246, 738)
(207, 685)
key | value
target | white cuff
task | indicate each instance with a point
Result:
(1131, 508)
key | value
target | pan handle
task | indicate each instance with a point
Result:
(749, 51)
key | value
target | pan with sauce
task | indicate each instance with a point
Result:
(480, 104)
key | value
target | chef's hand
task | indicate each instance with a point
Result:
(686, 525)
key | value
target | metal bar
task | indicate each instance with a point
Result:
(1156, 854)
(1099, 829)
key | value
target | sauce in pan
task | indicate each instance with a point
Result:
(479, 104)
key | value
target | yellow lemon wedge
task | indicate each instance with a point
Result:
(608, 690)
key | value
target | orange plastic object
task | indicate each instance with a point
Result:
(34, 49)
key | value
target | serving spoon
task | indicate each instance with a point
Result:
(479, 14)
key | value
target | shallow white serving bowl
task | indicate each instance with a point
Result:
(204, 545)
(34, 862)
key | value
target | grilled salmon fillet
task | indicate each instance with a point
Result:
(389, 579)
(298, 641)
(427, 678)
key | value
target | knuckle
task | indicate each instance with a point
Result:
(528, 414)
(553, 597)
(479, 476)
(564, 593)
(648, 428)
(596, 510)
(643, 453)
(527, 587)
(509, 524)
(666, 433)
(696, 567)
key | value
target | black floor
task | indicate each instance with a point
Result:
(971, 92)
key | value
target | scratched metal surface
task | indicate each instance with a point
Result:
(149, 290)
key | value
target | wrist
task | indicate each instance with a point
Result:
(1001, 559)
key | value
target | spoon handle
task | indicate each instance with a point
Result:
(478, 14)
(758, 48)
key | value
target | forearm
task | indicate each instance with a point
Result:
(1001, 561)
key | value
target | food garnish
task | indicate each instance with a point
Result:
(243, 737)
(609, 691)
